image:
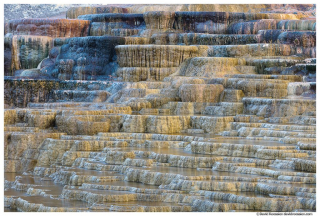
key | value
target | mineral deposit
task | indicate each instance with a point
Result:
(161, 108)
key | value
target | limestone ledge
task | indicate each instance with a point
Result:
(49, 27)
(153, 55)
(277, 107)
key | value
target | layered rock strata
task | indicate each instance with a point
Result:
(162, 108)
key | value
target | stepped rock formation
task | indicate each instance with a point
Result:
(172, 108)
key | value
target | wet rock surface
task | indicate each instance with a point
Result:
(161, 108)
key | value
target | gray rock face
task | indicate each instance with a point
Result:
(71, 63)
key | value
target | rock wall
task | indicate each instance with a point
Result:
(115, 24)
(49, 27)
(83, 58)
(153, 55)
(25, 52)
(20, 92)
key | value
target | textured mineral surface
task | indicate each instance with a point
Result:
(160, 108)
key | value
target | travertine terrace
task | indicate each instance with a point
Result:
(162, 108)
